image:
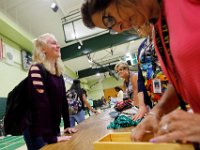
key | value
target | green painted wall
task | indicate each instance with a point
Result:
(15, 33)
(96, 88)
(10, 75)
(111, 82)
(70, 73)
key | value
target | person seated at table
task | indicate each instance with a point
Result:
(120, 93)
(130, 82)
(112, 101)
(131, 88)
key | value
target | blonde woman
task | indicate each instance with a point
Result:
(131, 88)
(47, 93)
(130, 81)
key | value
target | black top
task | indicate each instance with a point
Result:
(47, 107)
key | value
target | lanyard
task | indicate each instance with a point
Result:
(164, 56)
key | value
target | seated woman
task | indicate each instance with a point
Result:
(120, 93)
(130, 82)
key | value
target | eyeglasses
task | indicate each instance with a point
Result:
(108, 21)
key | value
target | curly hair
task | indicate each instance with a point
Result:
(90, 7)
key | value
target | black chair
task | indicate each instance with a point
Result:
(95, 104)
(100, 103)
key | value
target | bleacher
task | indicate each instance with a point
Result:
(2, 106)
(2, 113)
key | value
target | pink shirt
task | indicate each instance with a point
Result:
(183, 20)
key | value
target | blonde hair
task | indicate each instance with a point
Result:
(121, 64)
(39, 56)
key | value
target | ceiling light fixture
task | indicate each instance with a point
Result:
(54, 7)
(74, 29)
(79, 46)
(98, 74)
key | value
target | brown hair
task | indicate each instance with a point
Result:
(90, 7)
(117, 88)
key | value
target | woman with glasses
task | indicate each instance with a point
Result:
(130, 82)
(177, 50)
(114, 15)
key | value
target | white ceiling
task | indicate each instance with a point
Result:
(36, 17)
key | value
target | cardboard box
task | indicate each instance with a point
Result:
(122, 141)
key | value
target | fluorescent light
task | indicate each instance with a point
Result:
(54, 7)
(79, 46)
(98, 74)
(76, 30)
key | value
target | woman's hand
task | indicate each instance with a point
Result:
(63, 138)
(70, 130)
(146, 129)
(179, 126)
(141, 112)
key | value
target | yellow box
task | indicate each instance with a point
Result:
(122, 141)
